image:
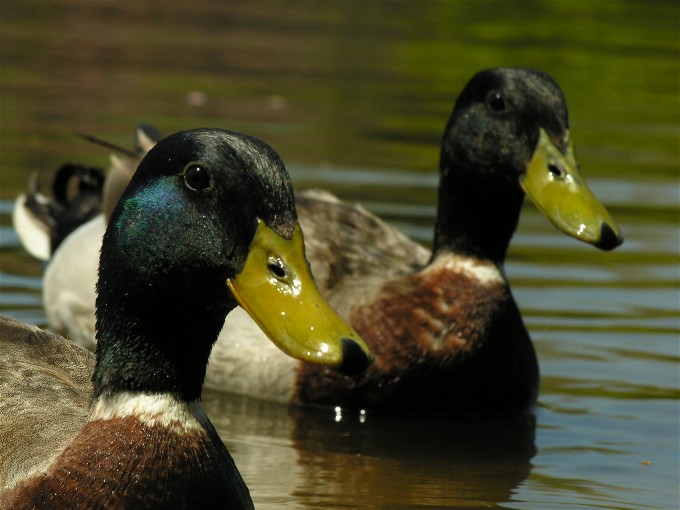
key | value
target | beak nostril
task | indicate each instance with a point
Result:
(354, 359)
(555, 170)
(276, 268)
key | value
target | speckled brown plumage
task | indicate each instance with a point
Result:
(124, 464)
(345, 242)
(50, 369)
(429, 333)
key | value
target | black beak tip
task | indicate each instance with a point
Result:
(608, 238)
(354, 358)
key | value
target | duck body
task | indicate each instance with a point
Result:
(42, 222)
(448, 335)
(137, 435)
(50, 369)
(68, 299)
(143, 459)
(435, 335)
(79, 193)
(132, 432)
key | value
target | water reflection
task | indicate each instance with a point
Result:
(412, 461)
(356, 95)
(342, 458)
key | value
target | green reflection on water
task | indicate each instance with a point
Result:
(370, 85)
(355, 83)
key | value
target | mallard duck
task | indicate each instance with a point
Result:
(448, 337)
(207, 221)
(447, 333)
(43, 222)
(79, 193)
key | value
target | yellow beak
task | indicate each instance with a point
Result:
(554, 184)
(278, 291)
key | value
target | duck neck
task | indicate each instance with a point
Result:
(475, 218)
(154, 344)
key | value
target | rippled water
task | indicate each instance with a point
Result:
(354, 95)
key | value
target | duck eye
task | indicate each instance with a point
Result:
(496, 101)
(275, 267)
(197, 177)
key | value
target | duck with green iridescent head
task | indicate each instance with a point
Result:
(208, 222)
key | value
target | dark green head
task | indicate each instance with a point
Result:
(494, 127)
(193, 205)
(509, 135)
(182, 228)
(208, 220)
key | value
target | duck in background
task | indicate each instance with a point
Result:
(79, 197)
(43, 222)
(447, 333)
(449, 337)
(207, 222)
(79, 193)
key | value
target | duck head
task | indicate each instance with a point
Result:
(207, 222)
(509, 135)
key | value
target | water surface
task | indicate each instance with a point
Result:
(354, 96)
